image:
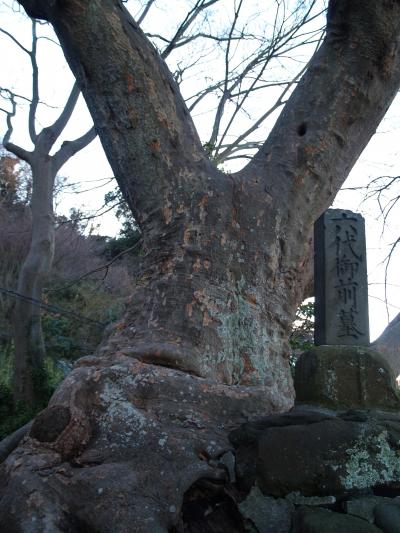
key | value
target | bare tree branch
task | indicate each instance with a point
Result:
(226, 94)
(220, 157)
(248, 76)
(201, 35)
(387, 261)
(105, 267)
(8, 145)
(35, 86)
(199, 6)
(145, 11)
(15, 41)
(70, 148)
(52, 132)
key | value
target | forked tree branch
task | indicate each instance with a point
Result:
(199, 6)
(52, 133)
(8, 145)
(70, 148)
(49, 135)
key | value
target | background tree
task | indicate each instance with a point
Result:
(82, 294)
(28, 335)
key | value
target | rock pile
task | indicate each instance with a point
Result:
(333, 463)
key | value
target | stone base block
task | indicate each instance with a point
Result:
(342, 377)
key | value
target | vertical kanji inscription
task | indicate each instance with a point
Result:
(341, 286)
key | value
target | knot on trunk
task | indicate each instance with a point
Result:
(64, 432)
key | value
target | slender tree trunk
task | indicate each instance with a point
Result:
(28, 334)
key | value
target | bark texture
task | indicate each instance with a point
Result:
(204, 340)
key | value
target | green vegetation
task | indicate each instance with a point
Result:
(67, 337)
(302, 336)
(11, 417)
(129, 236)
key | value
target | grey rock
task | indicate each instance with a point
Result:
(228, 459)
(269, 515)
(319, 520)
(328, 456)
(364, 507)
(340, 377)
(387, 517)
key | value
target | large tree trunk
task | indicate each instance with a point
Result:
(28, 333)
(221, 276)
(223, 270)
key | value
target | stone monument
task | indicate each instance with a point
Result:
(332, 463)
(340, 273)
(341, 372)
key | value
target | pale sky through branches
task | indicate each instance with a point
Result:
(199, 65)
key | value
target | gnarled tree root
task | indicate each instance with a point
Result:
(120, 445)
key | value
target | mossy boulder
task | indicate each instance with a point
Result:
(342, 377)
(332, 454)
(324, 521)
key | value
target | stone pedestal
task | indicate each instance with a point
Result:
(342, 377)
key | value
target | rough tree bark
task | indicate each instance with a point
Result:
(203, 345)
